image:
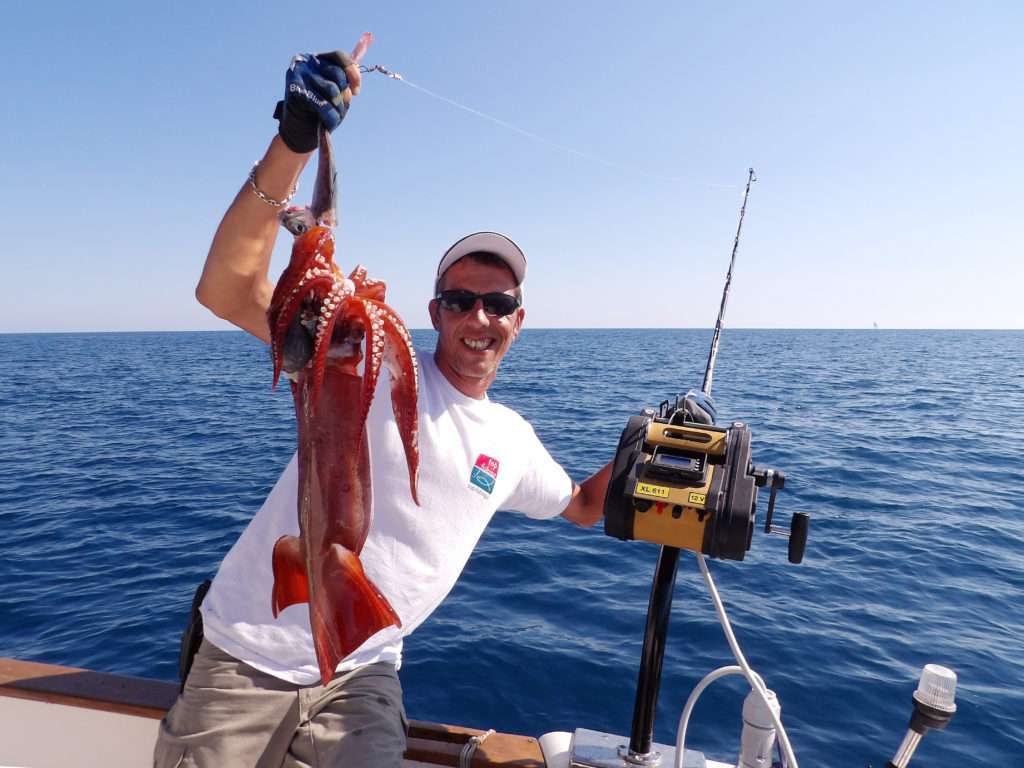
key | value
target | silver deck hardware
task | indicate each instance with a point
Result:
(594, 749)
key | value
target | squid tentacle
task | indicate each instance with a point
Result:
(374, 354)
(400, 360)
(312, 251)
(337, 305)
(283, 317)
(366, 286)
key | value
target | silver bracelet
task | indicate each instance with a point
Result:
(263, 195)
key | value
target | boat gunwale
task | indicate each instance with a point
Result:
(434, 743)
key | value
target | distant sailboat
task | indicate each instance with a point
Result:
(876, 325)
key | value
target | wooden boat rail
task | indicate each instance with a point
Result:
(433, 743)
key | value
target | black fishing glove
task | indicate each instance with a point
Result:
(313, 96)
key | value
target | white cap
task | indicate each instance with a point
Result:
(937, 687)
(488, 242)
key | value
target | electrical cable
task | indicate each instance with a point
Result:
(684, 718)
(752, 677)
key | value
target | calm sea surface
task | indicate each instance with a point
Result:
(129, 463)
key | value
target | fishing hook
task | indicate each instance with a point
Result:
(378, 68)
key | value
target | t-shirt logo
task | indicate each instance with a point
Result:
(483, 474)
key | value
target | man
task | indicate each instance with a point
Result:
(253, 696)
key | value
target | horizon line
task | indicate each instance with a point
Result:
(528, 330)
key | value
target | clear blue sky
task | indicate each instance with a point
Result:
(887, 138)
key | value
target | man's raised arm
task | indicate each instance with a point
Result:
(235, 284)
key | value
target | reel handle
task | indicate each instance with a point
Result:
(798, 528)
(799, 525)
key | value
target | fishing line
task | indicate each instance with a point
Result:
(634, 171)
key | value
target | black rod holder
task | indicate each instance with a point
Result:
(658, 611)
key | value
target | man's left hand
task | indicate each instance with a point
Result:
(318, 89)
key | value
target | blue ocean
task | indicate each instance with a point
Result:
(129, 463)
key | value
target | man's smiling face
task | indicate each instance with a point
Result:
(470, 344)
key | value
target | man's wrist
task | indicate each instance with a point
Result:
(277, 172)
(300, 137)
(271, 201)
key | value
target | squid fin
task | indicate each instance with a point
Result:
(359, 610)
(290, 584)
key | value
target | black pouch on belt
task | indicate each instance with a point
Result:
(192, 636)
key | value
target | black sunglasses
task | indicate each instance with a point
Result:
(495, 304)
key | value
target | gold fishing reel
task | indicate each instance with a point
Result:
(690, 485)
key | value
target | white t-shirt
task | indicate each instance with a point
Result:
(476, 457)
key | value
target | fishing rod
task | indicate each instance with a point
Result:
(709, 371)
(680, 481)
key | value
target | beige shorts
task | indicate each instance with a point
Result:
(231, 714)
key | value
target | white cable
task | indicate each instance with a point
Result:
(684, 718)
(752, 677)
